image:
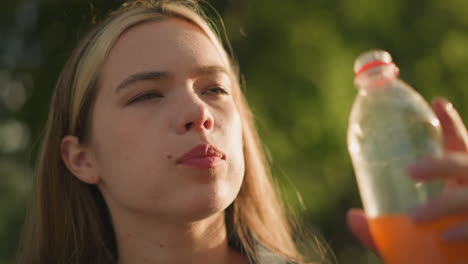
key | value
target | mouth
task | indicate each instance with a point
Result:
(202, 156)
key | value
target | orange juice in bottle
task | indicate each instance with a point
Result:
(390, 127)
(400, 240)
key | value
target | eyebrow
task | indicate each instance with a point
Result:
(142, 76)
(157, 75)
(213, 69)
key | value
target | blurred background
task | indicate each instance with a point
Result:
(297, 61)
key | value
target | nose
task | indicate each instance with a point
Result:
(195, 115)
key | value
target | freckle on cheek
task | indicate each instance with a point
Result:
(169, 156)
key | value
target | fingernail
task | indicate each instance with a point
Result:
(458, 123)
(448, 105)
(454, 235)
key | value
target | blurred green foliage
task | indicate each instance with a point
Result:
(297, 60)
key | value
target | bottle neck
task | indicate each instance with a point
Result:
(376, 76)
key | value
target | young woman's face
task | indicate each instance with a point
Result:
(166, 135)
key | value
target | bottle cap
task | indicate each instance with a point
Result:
(371, 59)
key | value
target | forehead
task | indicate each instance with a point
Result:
(170, 45)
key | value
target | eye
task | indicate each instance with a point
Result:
(145, 96)
(217, 90)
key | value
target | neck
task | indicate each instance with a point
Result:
(145, 240)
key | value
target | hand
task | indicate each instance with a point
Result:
(359, 226)
(453, 168)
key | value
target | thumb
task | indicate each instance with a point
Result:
(454, 131)
(357, 222)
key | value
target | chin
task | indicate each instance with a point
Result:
(208, 203)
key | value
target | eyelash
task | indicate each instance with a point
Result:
(145, 96)
(218, 90)
(151, 95)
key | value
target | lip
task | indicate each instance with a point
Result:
(202, 156)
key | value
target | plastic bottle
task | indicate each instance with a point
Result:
(391, 126)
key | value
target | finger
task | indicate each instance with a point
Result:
(357, 222)
(457, 234)
(452, 167)
(454, 202)
(454, 131)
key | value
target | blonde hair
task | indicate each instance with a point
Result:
(69, 221)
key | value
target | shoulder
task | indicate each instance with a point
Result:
(267, 256)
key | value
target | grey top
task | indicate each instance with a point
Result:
(267, 256)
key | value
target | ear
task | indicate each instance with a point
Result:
(78, 160)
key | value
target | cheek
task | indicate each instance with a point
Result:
(132, 174)
(236, 163)
(235, 144)
(129, 132)
(128, 151)
(237, 140)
